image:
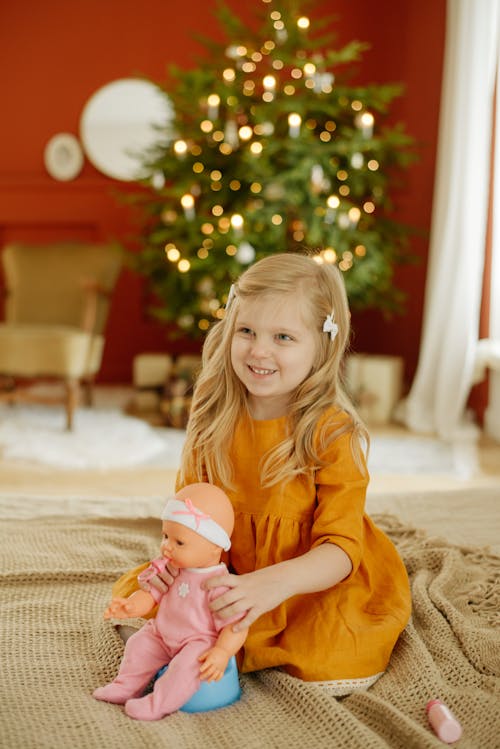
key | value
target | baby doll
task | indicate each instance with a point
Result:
(194, 642)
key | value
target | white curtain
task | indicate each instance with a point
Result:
(492, 415)
(438, 395)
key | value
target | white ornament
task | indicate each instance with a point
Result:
(245, 253)
(323, 82)
(63, 157)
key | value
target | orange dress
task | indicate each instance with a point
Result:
(343, 633)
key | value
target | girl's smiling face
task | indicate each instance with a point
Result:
(272, 352)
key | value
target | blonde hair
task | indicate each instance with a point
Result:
(220, 399)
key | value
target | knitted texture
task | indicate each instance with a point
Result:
(55, 649)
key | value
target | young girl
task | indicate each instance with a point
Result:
(325, 593)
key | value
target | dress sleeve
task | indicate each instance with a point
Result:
(341, 494)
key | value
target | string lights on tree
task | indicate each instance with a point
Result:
(271, 150)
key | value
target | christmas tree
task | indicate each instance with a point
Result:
(271, 150)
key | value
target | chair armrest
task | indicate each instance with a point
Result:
(4, 291)
(4, 295)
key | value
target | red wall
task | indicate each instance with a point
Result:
(55, 54)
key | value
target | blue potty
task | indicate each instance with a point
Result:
(214, 694)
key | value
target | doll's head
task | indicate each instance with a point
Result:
(197, 525)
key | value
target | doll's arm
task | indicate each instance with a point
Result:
(139, 603)
(214, 661)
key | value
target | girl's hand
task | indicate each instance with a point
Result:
(159, 579)
(163, 580)
(256, 592)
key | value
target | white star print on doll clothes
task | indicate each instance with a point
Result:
(183, 590)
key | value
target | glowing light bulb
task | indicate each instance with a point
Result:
(245, 132)
(187, 202)
(329, 255)
(180, 148)
(269, 83)
(229, 75)
(294, 121)
(237, 223)
(366, 121)
(213, 102)
(172, 252)
(354, 216)
(332, 203)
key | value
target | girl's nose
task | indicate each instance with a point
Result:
(260, 348)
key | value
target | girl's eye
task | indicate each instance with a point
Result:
(284, 337)
(245, 331)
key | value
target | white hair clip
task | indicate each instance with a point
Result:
(230, 296)
(329, 326)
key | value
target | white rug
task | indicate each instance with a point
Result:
(412, 454)
(104, 438)
(101, 439)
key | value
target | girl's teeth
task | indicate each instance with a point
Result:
(261, 371)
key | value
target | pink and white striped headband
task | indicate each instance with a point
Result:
(185, 513)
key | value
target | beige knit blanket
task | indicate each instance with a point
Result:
(55, 649)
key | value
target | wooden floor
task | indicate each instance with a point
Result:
(467, 511)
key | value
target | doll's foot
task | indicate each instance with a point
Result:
(143, 709)
(113, 693)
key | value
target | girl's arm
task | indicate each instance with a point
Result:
(257, 592)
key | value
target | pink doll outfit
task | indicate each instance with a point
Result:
(184, 629)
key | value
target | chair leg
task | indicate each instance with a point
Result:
(88, 391)
(7, 386)
(72, 400)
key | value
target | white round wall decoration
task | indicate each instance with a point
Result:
(120, 122)
(63, 157)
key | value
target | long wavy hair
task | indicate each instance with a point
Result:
(220, 399)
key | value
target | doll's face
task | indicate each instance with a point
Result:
(186, 548)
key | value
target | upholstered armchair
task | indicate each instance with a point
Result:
(57, 298)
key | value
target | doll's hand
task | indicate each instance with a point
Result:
(118, 609)
(139, 603)
(253, 593)
(214, 663)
